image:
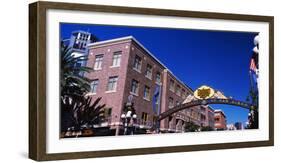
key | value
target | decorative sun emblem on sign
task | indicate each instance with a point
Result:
(204, 92)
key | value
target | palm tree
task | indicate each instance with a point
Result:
(78, 115)
(90, 113)
(72, 81)
(77, 110)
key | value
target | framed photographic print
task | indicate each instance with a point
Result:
(112, 81)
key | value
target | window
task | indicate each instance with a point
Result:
(148, 72)
(172, 85)
(178, 90)
(107, 112)
(116, 59)
(135, 87)
(98, 62)
(170, 118)
(94, 86)
(158, 77)
(187, 94)
(144, 116)
(198, 116)
(183, 94)
(202, 117)
(112, 83)
(171, 102)
(202, 109)
(217, 119)
(76, 45)
(191, 112)
(146, 94)
(78, 64)
(137, 63)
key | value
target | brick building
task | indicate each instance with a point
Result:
(124, 67)
(220, 120)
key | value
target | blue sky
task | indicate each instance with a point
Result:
(215, 58)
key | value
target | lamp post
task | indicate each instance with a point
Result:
(129, 117)
(128, 122)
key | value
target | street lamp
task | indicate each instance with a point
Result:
(128, 121)
(128, 117)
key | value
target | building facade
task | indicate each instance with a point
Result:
(123, 67)
(78, 43)
(79, 40)
(220, 120)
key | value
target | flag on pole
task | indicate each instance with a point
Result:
(254, 73)
(253, 69)
(155, 100)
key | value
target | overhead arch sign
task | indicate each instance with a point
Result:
(205, 95)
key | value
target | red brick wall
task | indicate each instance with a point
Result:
(166, 94)
(113, 100)
(221, 124)
(126, 73)
(141, 104)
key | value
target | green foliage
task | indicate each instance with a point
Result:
(77, 110)
(207, 128)
(72, 81)
(191, 127)
(80, 115)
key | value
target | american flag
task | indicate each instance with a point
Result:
(254, 73)
(253, 66)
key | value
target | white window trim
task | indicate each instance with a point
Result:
(171, 106)
(139, 71)
(96, 84)
(135, 94)
(112, 66)
(137, 90)
(114, 90)
(151, 73)
(146, 99)
(150, 78)
(97, 69)
(172, 88)
(100, 58)
(111, 91)
(115, 66)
